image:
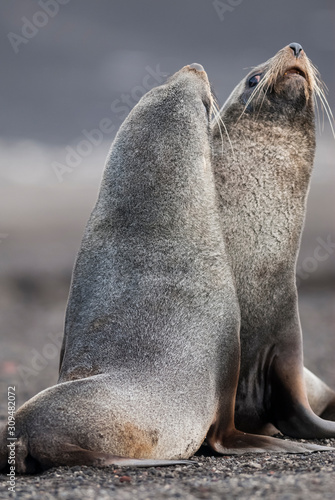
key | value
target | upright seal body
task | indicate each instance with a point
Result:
(153, 306)
(262, 169)
(150, 359)
(152, 320)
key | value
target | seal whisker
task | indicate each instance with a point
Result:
(317, 98)
(320, 93)
(215, 102)
(319, 90)
(318, 113)
(217, 116)
(328, 111)
(264, 96)
(322, 96)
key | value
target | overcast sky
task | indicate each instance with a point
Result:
(63, 74)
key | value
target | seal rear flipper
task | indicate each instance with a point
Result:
(320, 396)
(238, 443)
(31, 459)
(27, 463)
(290, 410)
(329, 412)
(75, 455)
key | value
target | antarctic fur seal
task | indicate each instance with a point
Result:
(263, 158)
(150, 359)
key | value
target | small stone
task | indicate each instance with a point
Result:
(255, 465)
(125, 479)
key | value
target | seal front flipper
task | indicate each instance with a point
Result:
(238, 443)
(290, 410)
(320, 396)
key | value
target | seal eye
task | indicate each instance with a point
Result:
(254, 80)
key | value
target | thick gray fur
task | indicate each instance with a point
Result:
(152, 320)
(150, 357)
(262, 177)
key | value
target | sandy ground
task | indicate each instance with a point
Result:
(33, 314)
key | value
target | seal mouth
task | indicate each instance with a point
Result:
(295, 71)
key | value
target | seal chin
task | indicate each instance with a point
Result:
(293, 82)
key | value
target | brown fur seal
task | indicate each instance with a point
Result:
(150, 357)
(263, 163)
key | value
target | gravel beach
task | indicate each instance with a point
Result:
(39, 313)
(280, 476)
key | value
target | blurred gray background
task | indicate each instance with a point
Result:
(69, 66)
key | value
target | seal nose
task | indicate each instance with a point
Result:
(197, 67)
(296, 47)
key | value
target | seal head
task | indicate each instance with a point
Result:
(285, 83)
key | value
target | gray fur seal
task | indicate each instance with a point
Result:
(150, 357)
(262, 168)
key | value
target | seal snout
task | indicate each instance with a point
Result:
(293, 62)
(198, 70)
(196, 66)
(297, 49)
